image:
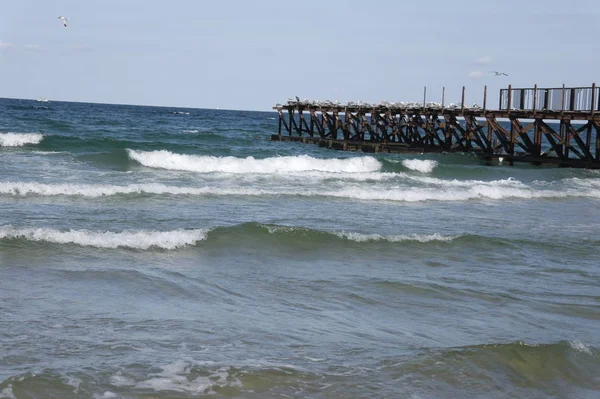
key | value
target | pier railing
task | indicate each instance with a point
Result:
(557, 99)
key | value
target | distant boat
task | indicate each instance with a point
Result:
(43, 100)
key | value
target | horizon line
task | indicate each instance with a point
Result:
(136, 105)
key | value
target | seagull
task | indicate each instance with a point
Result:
(499, 73)
(64, 20)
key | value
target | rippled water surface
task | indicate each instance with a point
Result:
(153, 252)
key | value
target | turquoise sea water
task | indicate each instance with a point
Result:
(151, 252)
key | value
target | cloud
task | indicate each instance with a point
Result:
(482, 60)
(475, 74)
(5, 45)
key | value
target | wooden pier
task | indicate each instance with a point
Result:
(558, 126)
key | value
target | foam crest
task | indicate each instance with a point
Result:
(175, 377)
(474, 192)
(439, 190)
(420, 165)
(127, 239)
(19, 139)
(7, 393)
(275, 165)
(358, 237)
(22, 189)
(581, 347)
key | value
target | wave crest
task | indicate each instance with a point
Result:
(438, 190)
(19, 139)
(106, 239)
(358, 237)
(276, 165)
(420, 165)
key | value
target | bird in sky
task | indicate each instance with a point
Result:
(64, 20)
(499, 73)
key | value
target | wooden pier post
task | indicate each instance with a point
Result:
(280, 117)
(462, 101)
(291, 112)
(484, 98)
(508, 104)
(424, 96)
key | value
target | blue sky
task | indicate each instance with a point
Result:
(253, 54)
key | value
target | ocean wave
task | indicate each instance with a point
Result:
(296, 234)
(11, 139)
(180, 378)
(174, 377)
(348, 186)
(420, 165)
(264, 234)
(358, 237)
(486, 368)
(275, 165)
(106, 239)
(492, 370)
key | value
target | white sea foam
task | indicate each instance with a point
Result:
(72, 381)
(7, 393)
(175, 377)
(19, 139)
(437, 190)
(275, 165)
(21, 189)
(510, 182)
(477, 191)
(106, 394)
(358, 237)
(106, 239)
(118, 380)
(420, 165)
(581, 347)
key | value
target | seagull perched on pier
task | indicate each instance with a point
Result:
(64, 20)
(499, 73)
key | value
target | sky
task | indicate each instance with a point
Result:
(253, 54)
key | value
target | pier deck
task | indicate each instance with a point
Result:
(557, 126)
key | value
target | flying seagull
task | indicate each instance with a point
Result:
(64, 20)
(499, 73)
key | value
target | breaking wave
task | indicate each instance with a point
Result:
(19, 139)
(562, 369)
(275, 165)
(441, 191)
(353, 236)
(258, 233)
(106, 239)
(420, 165)
(428, 189)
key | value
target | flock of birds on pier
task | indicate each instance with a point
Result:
(293, 102)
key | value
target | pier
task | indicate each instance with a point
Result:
(558, 126)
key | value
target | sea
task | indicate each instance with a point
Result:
(162, 252)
